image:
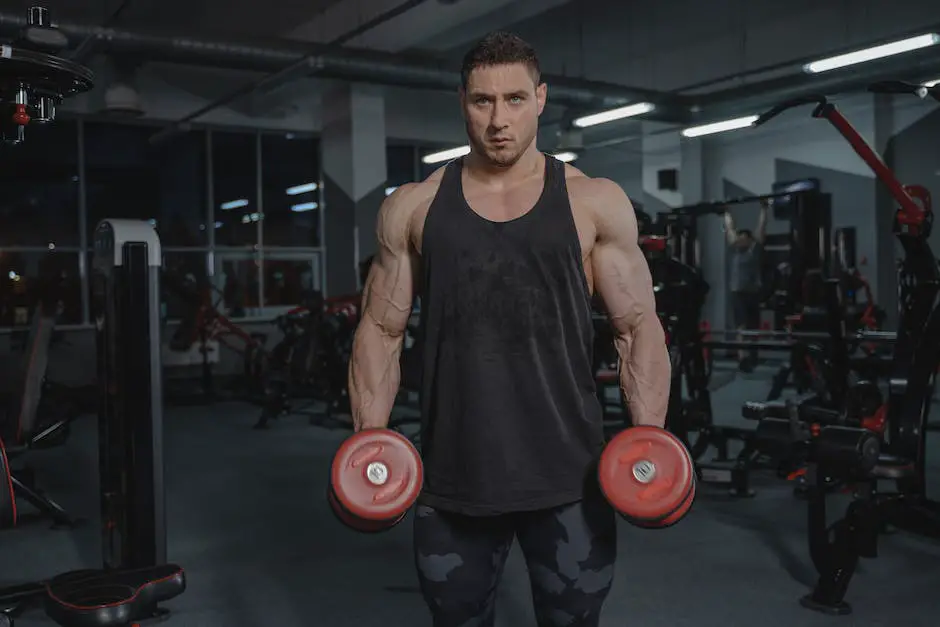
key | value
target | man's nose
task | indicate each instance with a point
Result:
(500, 118)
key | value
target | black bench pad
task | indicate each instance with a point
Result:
(102, 598)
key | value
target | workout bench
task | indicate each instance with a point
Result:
(85, 598)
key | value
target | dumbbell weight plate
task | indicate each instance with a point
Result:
(673, 518)
(647, 475)
(376, 476)
(357, 524)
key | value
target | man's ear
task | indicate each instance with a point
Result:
(541, 92)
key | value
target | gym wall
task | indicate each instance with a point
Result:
(622, 164)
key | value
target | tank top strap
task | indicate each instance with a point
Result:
(450, 182)
(555, 196)
(555, 174)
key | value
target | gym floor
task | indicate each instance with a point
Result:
(248, 520)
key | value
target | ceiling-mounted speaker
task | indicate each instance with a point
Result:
(123, 100)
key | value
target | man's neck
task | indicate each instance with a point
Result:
(529, 163)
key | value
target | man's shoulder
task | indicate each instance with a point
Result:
(583, 186)
(412, 196)
(594, 196)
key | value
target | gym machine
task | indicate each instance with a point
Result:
(804, 248)
(841, 445)
(33, 80)
(792, 261)
(681, 291)
(135, 577)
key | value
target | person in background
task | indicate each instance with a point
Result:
(746, 248)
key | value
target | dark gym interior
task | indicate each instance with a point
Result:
(189, 212)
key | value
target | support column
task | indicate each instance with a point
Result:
(354, 172)
(711, 241)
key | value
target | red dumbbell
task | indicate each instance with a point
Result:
(647, 474)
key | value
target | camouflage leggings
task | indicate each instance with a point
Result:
(569, 552)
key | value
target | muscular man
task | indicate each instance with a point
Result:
(745, 279)
(506, 247)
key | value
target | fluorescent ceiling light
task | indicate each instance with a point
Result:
(614, 114)
(234, 204)
(251, 217)
(301, 189)
(566, 156)
(304, 206)
(390, 190)
(870, 54)
(445, 155)
(932, 83)
(719, 127)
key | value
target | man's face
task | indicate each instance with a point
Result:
(743, 241)
(501, 106)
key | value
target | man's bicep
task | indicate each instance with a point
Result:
(621, 273)
(389, 289)
(623, 281)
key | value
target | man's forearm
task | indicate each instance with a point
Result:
(645, 372)
(729, 227)
(374, 375)
(762, 222)
(729, 221)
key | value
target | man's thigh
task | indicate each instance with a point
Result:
(570, 552)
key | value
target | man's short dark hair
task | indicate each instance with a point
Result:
(500, 48)
(746, 232)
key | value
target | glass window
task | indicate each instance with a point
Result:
(39, 204)
(165, 183)
(235, 188)
(181, 166)
(290, 282)
(290, 179)
(28, 277)
(237, 278)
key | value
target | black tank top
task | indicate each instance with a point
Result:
(510, 416)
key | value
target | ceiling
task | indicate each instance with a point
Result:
(665, 46)
(207, 18)
(317, 21)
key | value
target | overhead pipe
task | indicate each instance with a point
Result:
(86, 47)
(348, 64)
(295, 70)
